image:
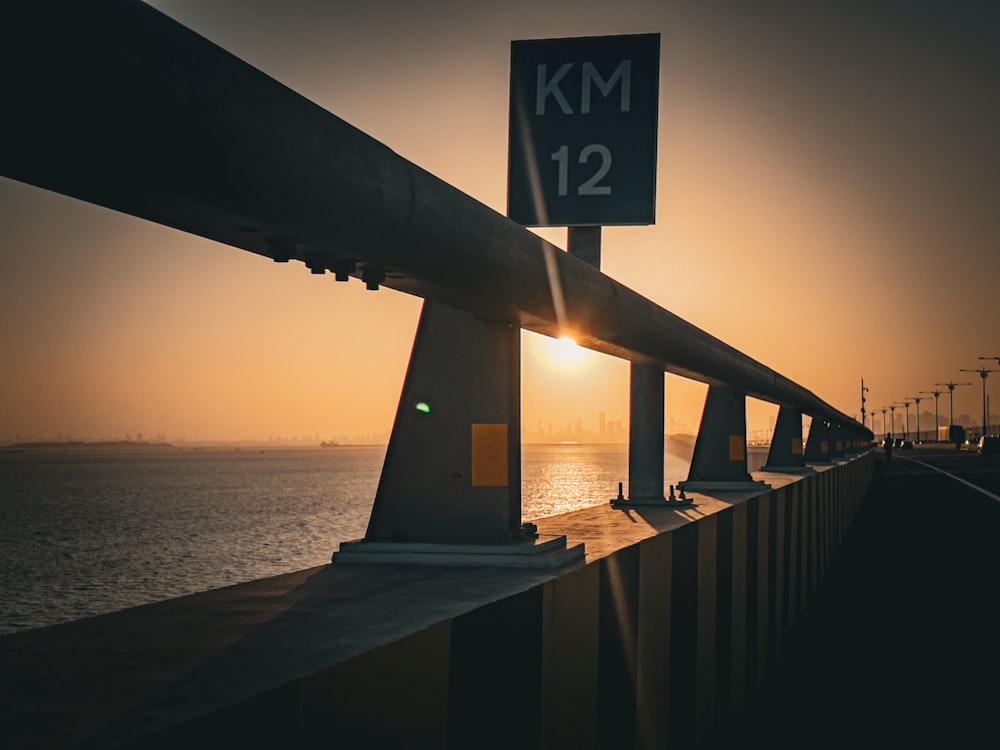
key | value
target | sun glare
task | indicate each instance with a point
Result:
(565, 352)
(560, 356)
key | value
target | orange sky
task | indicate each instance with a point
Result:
(826, 202)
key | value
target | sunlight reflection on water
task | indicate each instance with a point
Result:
(84, 532)
(564, 477)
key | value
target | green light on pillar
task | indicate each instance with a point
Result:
(424, 408)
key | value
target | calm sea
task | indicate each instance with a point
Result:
(87, 531)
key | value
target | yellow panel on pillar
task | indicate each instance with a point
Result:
(489, 455)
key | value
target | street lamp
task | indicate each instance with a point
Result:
(983, 373)
(863, 391)
(884, 410)
(906, 404)
(916, 400)
(937, 419)
(951, 399)
(892, 415)
(987, 397)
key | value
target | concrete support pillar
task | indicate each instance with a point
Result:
(645, 447)
(452, 471)
(450, 491)
(851, 444)
(787, 454)
(818, 444)
(838, 441)
(720, 453)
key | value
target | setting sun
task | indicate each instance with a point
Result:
(564, 352)
(561, 355)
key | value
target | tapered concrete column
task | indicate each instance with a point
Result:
(450, 491)
(452, 471)
(861, 442)
(720, 452)
(818, 444)
(787, 454)
(838, 441)
(852, 443)
(645, 434)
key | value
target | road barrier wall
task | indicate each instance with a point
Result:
(659, 643)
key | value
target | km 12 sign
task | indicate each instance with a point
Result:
(583, 131)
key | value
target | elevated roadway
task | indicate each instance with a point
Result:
(901, 648)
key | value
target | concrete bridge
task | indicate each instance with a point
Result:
(653, 621)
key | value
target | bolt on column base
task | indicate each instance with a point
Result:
(656, 502)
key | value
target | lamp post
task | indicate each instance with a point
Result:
(983, 373)
(916, 400)
(884, 410)
(951, 400)
(906, 405)
(987, 397)
(892, 416)
(937, 419)
(863, 391)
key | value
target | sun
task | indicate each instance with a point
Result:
(561, 356)
(564, 352)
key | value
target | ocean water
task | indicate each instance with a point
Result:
(86, 531)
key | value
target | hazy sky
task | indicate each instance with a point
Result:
(827, 202)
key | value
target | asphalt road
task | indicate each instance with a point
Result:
(901, 647)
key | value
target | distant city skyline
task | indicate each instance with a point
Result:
(575, 429)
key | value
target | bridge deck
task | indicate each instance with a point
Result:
(901, 647)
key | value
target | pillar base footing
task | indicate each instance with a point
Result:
(545, 552)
